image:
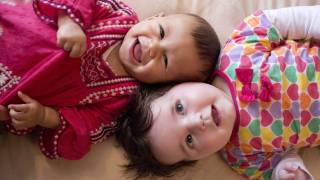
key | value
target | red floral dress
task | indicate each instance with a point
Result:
(85, 91)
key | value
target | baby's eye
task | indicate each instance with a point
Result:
(179, 108)
(161, 30)
(189, 140)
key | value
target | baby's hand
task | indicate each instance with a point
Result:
(26, 115)
(71, 37)
(290, 171)
(4, 113)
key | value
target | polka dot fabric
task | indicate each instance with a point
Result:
(277, 92)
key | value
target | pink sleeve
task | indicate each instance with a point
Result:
(80, 127)
(81, 11)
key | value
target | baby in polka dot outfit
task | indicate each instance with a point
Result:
(261, 106)
(68, 68)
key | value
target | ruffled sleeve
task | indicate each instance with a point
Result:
(80, 127)
(255, 34)
(249, 44)
(79, 10)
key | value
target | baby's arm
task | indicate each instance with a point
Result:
(32, 113)
(70, 36)
(301, 22)
(291, 167)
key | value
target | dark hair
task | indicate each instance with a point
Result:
(132, 135)
(207, 44)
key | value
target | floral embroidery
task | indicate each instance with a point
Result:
(102, 132)
(7, 80)
(52, 153)
(116, 6)
(17, 132)
(128, 89)
(69, 10)
(91, 70)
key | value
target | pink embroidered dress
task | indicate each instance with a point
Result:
(85, 91)
(275, 87)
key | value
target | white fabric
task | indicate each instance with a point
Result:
(302, 22)
(293, 158)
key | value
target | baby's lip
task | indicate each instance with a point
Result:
(131, 52)
(215, 115)
(136, 51)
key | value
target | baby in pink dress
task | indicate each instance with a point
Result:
(81, 61)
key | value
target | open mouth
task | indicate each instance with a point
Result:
(136, 51)
(215, 115)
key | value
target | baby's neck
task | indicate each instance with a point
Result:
(112, 58)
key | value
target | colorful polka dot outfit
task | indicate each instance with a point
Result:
(275, 86)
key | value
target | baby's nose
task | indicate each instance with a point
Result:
(197, 121)
(155, 48)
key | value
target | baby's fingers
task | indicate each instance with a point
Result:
(18, 115)
(68, 46)
(285, 175)
(288, 171)
(19, 125)
(290, 167)
(75, 52)
(61, 41)
(83, 48)
(19, 107)
(78, 48)
(25, 98)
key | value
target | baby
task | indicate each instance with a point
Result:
(69, 68)
(260, 107)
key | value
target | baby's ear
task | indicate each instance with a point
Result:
(161, 14)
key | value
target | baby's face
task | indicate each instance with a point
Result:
(161, 49)
(191, 121)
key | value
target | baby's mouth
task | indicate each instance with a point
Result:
(215, 115)
(137, 53)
